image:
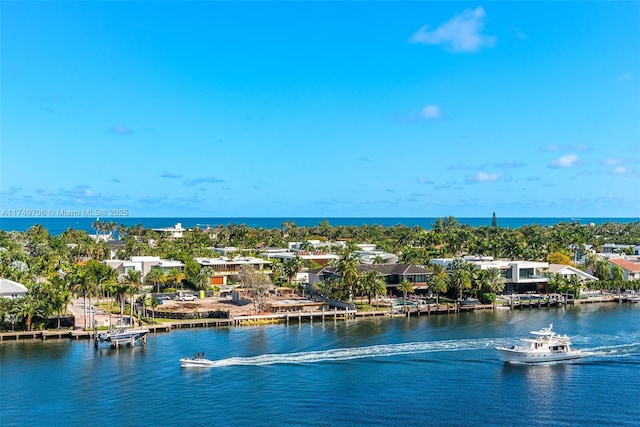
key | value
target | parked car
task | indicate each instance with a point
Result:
(188, 297)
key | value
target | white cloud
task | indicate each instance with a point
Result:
(484, 177)
(431, 112)
(621, 170)
(462, 33)
(567, 147)
(205, 180)
(423, 180)
(510, 164)
(121, 130)
(568, 161)
(612, 162)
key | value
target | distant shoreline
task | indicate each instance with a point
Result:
(58, 225)
(239, 321)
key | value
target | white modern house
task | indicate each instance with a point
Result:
(176, 231)
(143, 264)
(520, 276)
(12, 290)
(368, 254)
(307, 257)
(225, 267)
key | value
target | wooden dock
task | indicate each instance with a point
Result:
(309, 316)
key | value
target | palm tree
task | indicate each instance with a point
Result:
(373, 284)
(347, 267)
(83, 284)
(291, 267)
(405, 286)
(617, 274)
(438, 281)
(492, 280)
(603, 269)
(175, 276)
(60, 297)
(459, 280)
(154, 303)
(203, 278)
(29, 309)
(155, 277)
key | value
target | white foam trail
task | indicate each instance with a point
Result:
(621, 350)
(340, 354)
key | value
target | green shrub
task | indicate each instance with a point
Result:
(488, 298)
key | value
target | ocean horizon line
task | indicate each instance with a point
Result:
(57, 225)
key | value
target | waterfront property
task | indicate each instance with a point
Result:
(392, 274)
(520, 276)
(225, 267)
(630, 269)
(12, 290)
(143, 264)
(317, 257)
(567, 271)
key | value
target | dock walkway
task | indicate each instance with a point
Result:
(304, 316)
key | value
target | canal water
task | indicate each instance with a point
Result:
(437, 370)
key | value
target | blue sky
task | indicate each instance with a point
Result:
(322, 109)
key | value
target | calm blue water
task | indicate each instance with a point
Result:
(58, 225)
(439, 370)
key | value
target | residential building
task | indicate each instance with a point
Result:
(225, 267)
(309, 258)
(567, 271)
(631, 269)
(393, 274)
(143, 264)
(176, 231)
(520, 276)
(614, 248)
(12, 290)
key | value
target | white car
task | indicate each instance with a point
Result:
(188, 297)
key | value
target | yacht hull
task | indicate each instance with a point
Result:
(510, 355)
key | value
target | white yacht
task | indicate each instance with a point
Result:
(196, 361)
(544, 346)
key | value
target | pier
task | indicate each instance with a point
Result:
(310, 316)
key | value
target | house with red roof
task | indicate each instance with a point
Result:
(631, 269)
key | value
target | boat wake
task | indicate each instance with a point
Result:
(621, 350)
(341, 354)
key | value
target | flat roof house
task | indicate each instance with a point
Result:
(225, 267)
(520, 276)
(393, 274)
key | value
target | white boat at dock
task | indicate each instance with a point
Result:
(196, 361)
(544, 346)
(121, 335)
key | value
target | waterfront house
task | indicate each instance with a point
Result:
(309, 258)
(520, 276)
(143, 264)
(630, 269)
(225, 267)
(567, 271)
(12, 290)
(393, 274)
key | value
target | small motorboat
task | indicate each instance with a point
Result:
(544, 346)
(195, 361)
(122, 335)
